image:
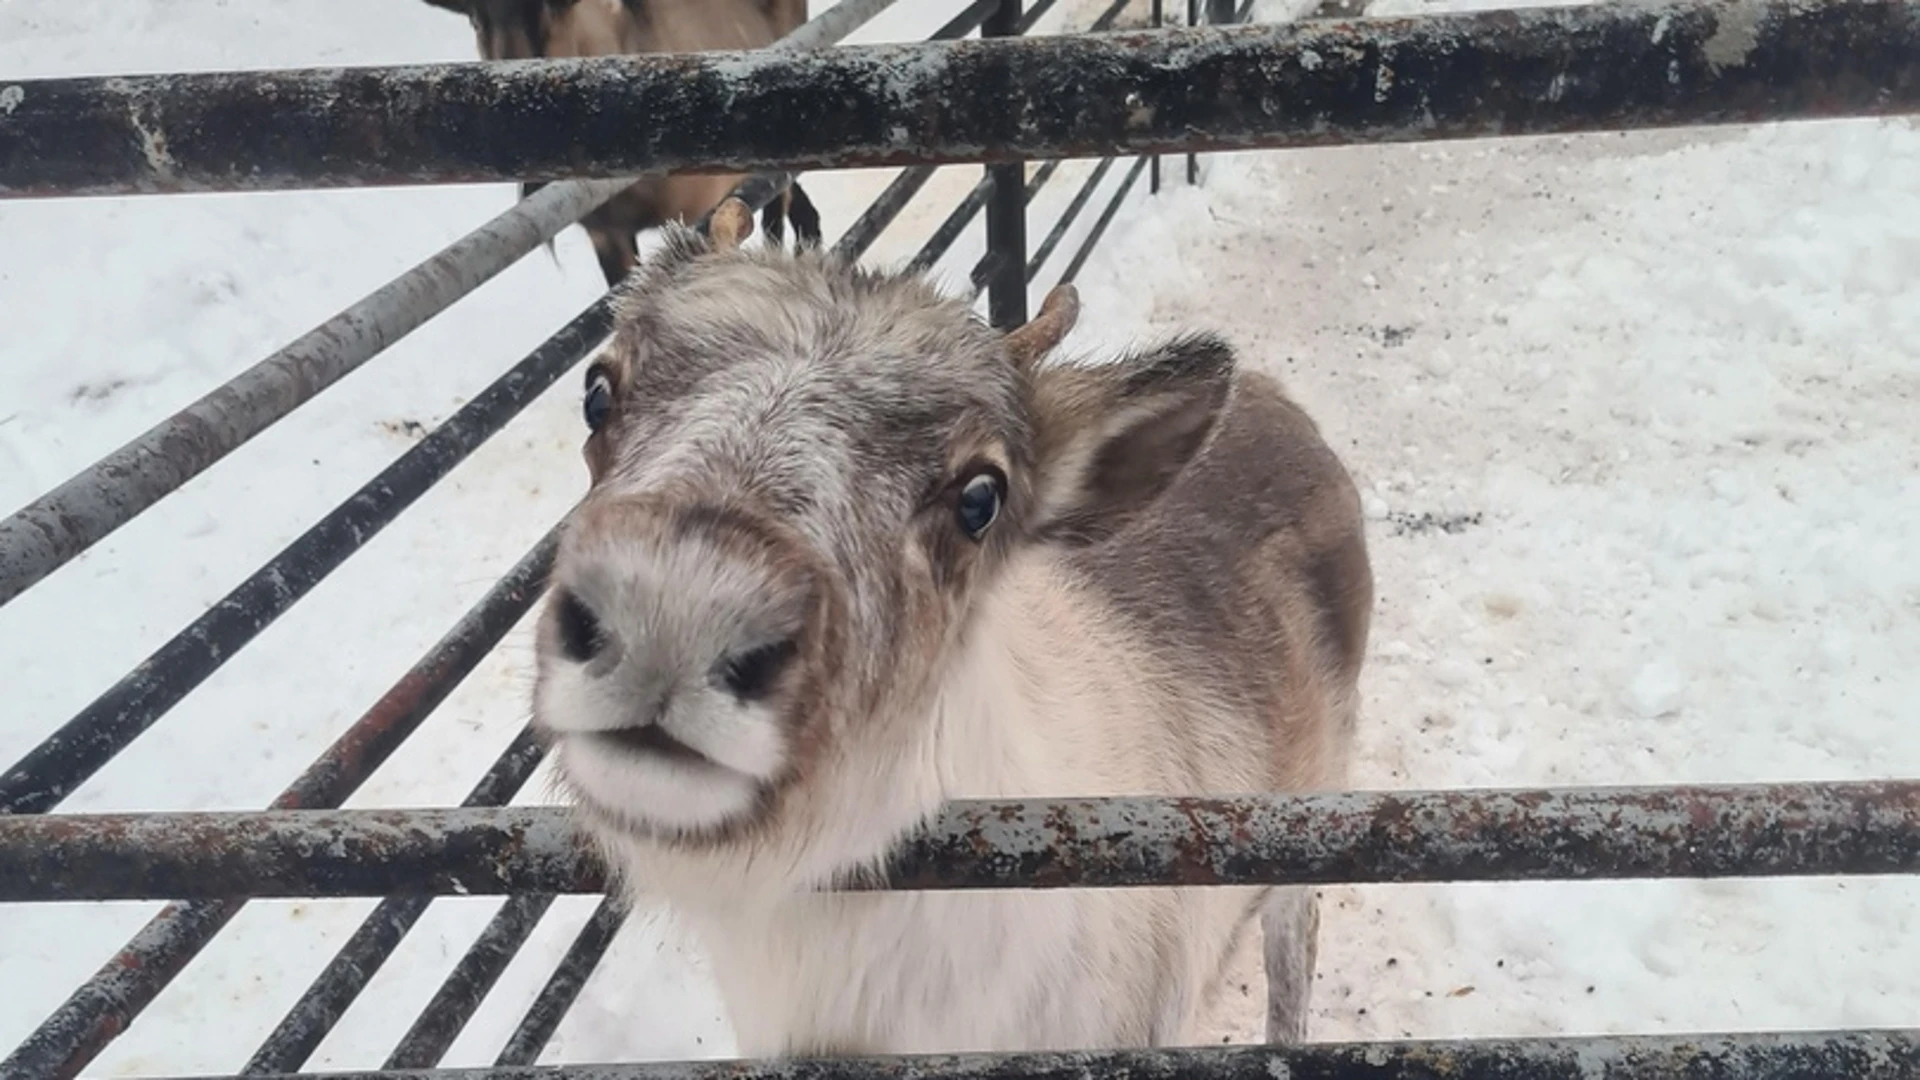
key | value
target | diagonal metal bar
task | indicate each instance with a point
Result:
(51, 771)
(1067, 218)
(1105, 219)
(1566, 834)
(300, 1032)
(459, 997)
(55, 528)
(1315, 83)
(543, 1018)
(104, 1005)
(1888, 1054)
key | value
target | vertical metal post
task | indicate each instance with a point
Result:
(1153, 162)
(1193, 160)
(1007, 209)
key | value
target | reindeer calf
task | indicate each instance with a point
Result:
(849, 554)
(524, 29)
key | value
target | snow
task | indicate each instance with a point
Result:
(1631, 416)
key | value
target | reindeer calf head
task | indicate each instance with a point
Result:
(804, 478)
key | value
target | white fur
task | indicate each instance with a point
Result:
(673, 612)
(1043, 699)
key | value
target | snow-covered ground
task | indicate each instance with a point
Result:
(1634, 413)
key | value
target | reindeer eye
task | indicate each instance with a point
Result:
(979, 502)
(599, 400)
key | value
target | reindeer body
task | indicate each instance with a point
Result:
(561, 29)
(1177, 602)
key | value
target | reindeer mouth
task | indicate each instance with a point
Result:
(653, 740)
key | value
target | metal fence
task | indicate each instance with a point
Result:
(797, 106)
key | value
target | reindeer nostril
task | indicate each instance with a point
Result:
(581, 636)
(749, 676)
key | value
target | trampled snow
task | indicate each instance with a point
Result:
(1634, 417)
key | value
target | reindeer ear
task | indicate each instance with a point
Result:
(458, 7)
(1110, 439)
(732, 223)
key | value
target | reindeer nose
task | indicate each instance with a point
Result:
(581, 636)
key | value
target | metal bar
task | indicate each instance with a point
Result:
(1568, 834)
(1006, 201)
(307, 1023)
(53, 529)
(1193, 161)
(1157, 18)
(950, 229)
(863, 232)
(106, 1003)
(1067, 217)
(1100, 224)
(1315, 83)
(103, 1006)
(459, 997)
(543, 1018)
(1887, 1054)
(51, 771)
(992, 263)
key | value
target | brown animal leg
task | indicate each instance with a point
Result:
(806, 219)
(618, 250)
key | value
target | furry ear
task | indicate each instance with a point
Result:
(1110, 439)
(458, 7)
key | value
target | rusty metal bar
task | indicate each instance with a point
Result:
(51, 771)
(102, 1007)
(1315, 83)
(1006, 201)
(1765, 830)
(1887, 1054)
(307, 1023)
(53, 529)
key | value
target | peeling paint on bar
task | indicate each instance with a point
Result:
(1351, 837)
(1892, 1054)
(1320, 82)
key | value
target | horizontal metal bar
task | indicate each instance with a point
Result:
(339, 984)
(102, 1007)
(1892, 1054)
(1765, 830)
(1321, 82)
